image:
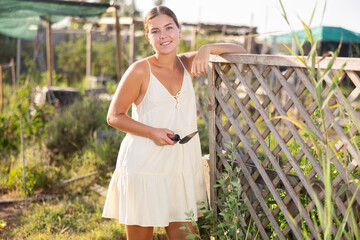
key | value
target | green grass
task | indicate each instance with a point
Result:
(69, 217)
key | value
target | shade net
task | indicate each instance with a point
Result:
(323, 33)
(20, 18)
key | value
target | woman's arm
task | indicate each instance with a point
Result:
(131, 90)
(198, 61)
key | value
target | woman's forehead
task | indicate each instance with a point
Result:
(161, 21)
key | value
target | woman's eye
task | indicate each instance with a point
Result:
(168, 28)
(154, 31)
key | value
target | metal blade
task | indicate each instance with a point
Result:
(187, 137)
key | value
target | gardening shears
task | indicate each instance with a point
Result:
(176, 137)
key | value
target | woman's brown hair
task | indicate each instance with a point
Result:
(156, 11)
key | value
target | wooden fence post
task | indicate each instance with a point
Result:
(212, 135)
(23, 156)
(12, 64)
(118, 45)
(1, 90)
(49, 55)
(132, 42)
(88, 51)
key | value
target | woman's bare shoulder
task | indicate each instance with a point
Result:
(138, 69)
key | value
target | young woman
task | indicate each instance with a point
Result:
(157, 180)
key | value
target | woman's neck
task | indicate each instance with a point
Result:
(166, 61)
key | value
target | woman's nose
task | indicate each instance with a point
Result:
(162, 34)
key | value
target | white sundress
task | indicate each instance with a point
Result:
(154, 185)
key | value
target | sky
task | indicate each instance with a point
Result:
(266, 15)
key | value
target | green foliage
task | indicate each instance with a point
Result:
(111, 87)
(325, 214)
(228, 224)
(143, 48)
(183, 46)
(34, 179)
(103, 54)
(70, 128)
(106, 150)
(34, 120)
(76, 217)
(204, 136)
(9, 134)
(73, 215)
(71, 59)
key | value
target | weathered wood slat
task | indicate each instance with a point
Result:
(252, 211)
(285, 60)
(242, 115)
(256, 190)
(296, 101)
(301, 143)
(290, 125)
(281, 174)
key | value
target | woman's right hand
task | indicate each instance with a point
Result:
(161, 138)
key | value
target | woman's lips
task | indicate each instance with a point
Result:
(165, 43)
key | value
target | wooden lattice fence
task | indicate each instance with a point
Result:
(249, 96)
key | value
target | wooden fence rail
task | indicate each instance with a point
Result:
(250, 98)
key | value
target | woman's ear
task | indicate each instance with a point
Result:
(180, 31)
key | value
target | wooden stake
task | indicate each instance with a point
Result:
(18, 58)
(12, 63)
(49, 53)
(23, 156)
(118, 46)
(132, 42)
(212, 135)
(1, 90)
(88, 51)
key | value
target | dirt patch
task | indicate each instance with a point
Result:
(9, 213)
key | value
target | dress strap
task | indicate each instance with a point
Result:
(149, 65)
(185, 70)
(181, 62)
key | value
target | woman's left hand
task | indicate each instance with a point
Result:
(200, 62)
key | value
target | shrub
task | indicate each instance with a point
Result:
(34, 120)
(228, 223)
(72, 126)
(34, 179)
(71, 57)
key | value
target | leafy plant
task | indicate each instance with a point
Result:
(324, 216)
(34, 179)
(71, 59)
(69, 130)
(104, 61)
(230, 221)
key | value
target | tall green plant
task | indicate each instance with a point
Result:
(229, 223)
(324, 216)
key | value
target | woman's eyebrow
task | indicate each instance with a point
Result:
(152, 28)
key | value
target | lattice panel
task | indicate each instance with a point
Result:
(254, 103)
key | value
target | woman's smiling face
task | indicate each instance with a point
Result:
(163, 34)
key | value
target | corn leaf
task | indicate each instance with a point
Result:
(302, 127)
